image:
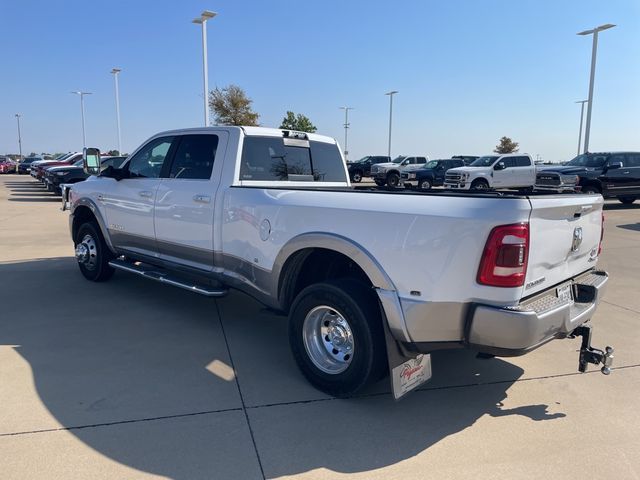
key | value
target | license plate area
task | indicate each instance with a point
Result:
(565, 293)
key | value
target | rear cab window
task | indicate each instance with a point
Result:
(269, 160)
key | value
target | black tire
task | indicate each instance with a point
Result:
(425, 184)
(627, 200)
(380, 183)
(393, 180)
(590, 189)
(358, 305)
(356, 176)
(95, 264)
(480, 184)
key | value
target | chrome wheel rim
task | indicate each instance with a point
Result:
(87, 252)
(425, 185)
(481, 186)
(357, 177)
(328, 339)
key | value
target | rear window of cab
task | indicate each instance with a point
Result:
(294, 160)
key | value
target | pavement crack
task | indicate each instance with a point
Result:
(244, 407)
(121, 422)
(620, 306)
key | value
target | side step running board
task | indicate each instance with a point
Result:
(163, 277)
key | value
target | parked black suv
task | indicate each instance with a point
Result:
(613, 174)
(56, 176)
(431, 175)
(362, 167)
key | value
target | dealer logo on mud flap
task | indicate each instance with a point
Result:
(411, 374)
(577, 239)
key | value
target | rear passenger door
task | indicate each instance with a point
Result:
(524, 171)
(185, 200)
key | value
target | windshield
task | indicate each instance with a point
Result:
(484, 161)
(362, 160)
(78, 163)
(432, 164)
(588, 160)
(398, 159)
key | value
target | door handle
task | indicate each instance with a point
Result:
(202, 198)
(145, 193)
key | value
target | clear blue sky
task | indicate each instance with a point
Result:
(468, 72)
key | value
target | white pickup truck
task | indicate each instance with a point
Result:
(512, 170)
(372, 281)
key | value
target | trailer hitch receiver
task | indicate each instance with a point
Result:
(588, 354)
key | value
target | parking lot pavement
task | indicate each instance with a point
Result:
(132, 379)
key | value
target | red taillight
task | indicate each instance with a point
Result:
(601, 235)
(504, 260)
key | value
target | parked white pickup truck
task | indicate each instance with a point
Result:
(513, 170)
(372, 281)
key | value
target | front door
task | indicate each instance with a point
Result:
(129, 203)
(185, 200)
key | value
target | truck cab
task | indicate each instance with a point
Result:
(430, 175)
(514, 170)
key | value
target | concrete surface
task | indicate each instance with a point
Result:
(132, 379)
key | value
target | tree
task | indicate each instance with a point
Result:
(231, 106)
(299, 122)
(506, 145)
(113, 153)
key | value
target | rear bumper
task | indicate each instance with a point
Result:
(517, 330)
(505, 331)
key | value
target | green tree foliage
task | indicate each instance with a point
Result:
(299, 122)
(113, 153)
(231, 106)
(506, 145)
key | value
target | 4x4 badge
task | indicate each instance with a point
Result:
(577, 239)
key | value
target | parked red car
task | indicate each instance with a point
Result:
(7, 165)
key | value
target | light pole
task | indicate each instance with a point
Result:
(581, 117)
(391, 94)
(346, 128)
(202, 20)
(115, 72)
(19, 137)
(82, 94)
(594, 50)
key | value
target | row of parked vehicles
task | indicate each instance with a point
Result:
(612, 174)
(65, 170)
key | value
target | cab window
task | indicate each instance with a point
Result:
(147, 163)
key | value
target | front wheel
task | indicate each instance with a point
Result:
(356, 177)
(480, 184)
(92, 253)
(380, 183)
(590, 189)
(425, 184)
(627, 200)
(393, 180)
(336, 336)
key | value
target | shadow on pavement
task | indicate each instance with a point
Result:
(130, 350)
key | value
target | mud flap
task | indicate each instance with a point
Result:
(407, 370)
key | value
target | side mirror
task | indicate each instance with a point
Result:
(499, 166)
(91, 161)
(615, 165)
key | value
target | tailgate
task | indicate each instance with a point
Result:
(564, 237)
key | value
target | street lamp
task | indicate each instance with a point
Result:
(115, 72)
(82, 94)
(202, 20)
(581, 116)
(391, 94)
(346, 127)
(594, 50)
(19, 137)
